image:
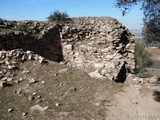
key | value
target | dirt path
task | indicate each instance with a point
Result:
(133, 104)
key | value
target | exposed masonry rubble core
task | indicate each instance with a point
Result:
(100, 44)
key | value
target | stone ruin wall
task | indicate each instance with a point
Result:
(99, 44)
(42, 38)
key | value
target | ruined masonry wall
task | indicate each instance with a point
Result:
(99, 44)
(40, 37)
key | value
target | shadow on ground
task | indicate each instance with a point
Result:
(158, 81)
(156, 95)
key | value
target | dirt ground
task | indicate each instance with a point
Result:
(141, 101)
(135, 103)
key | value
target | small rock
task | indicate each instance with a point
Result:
(98, 65)
(55, 74)
(4, 78)
(96, 75)
(37, 107)
(1, 72)
(36, 57)
(153, 79)
(69, 47)
(29, 52)
(63, 70)
(62, 84)
(9, 79)
(24, 57)
(72, 89)
(102, 33)
(63, 62)
(34, 93)
(30, 98)
(10, 110)
(42, 60)
(57, 104)
(4, 71)
(21, 79)
(13, 62)
(24, 114)
(30, 57)
(38, 96)
(43, 82)
(103, 72)
(8, 73)
(16, 81)
(19, 90)
(1, 62)
(25, 71)
(11, 67)
(134, 102)
(38, 101)
(2, 83)
(7, 63)
(32, 80)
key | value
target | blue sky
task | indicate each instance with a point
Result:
(41, 9)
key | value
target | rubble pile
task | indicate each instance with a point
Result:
(9, 62)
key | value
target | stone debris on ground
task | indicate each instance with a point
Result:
(24, 114)
(30, 98)
(10, 110)
(57, 104)
(38, 101)
(19, 54)
(2, 83)
(10, 60)
(132, 79)
(63, 70)
(38, 107)
(96, 75)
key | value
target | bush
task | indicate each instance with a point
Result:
(58, 16)
(142, 58)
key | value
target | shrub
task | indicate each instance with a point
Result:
(142, 58)
(58, 16)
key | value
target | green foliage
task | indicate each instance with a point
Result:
(126, 5)
(151, 19)
(58, 16)
(142, 58)
(151, 29)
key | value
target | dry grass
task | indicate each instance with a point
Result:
(76, 93)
